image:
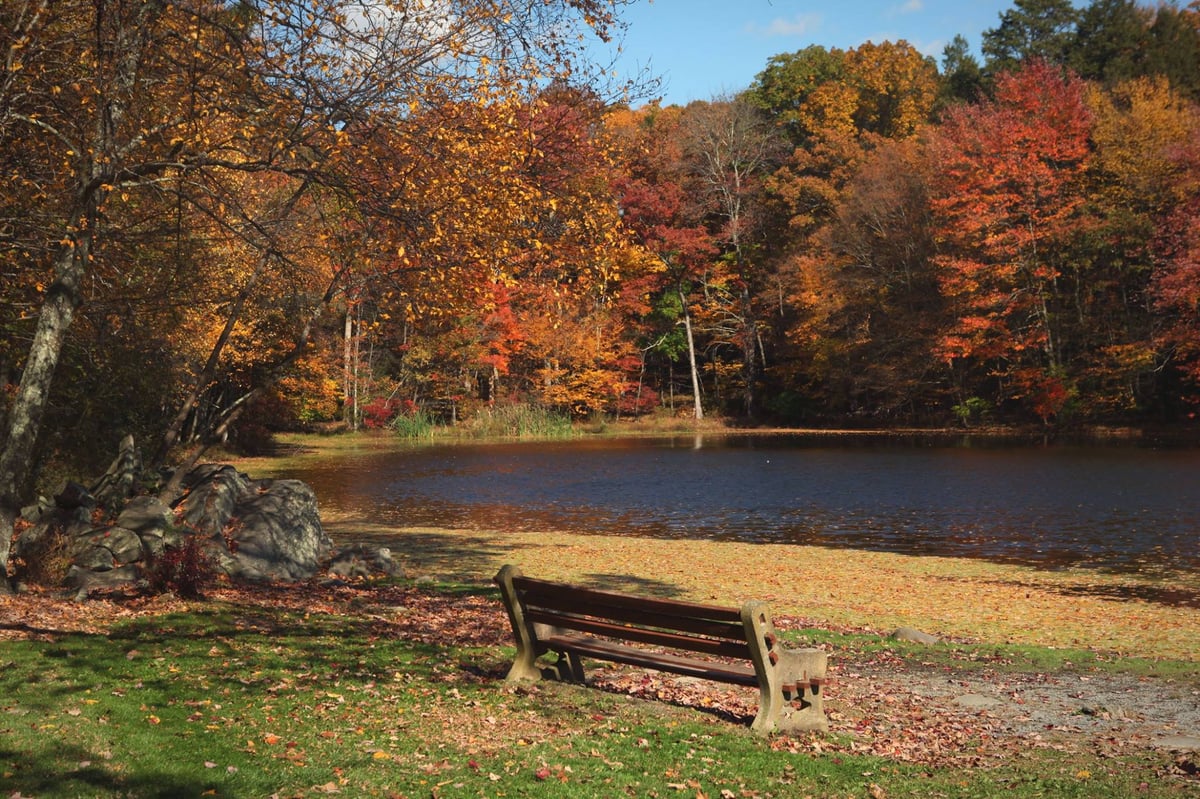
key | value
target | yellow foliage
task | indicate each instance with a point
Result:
(1137, 125)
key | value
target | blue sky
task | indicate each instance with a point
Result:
(707, 48)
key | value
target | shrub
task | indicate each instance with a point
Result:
(972, 409)
(185, 569)
(379, 412)
(417, 423)
(521, 420)
(44, 560)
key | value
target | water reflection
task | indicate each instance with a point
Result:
(1120, 508)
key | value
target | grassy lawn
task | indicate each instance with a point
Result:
(397, 691)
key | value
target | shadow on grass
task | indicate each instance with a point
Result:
(57, 770)
(1169, 596)
(471, 557)
(461, 556)
(179, 670)
(630, 584)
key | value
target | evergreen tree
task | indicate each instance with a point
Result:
(1175, 49)
(1033, 29)
(962, 76)
(1112, 41)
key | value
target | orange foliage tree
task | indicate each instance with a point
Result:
(120, 108)
(1007, 203)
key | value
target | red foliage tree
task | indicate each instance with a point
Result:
(1006, 204)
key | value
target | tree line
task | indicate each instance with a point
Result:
(222, 215)
(859, 237)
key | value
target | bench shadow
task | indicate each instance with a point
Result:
(630, 584)
(684, 699)
(471, 557)
(464, 557)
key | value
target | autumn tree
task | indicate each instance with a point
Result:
(879, 302)
(663, 218)
(1030, 30)
(884, 93)
(108, 100)
(1007, 204)
(730, 149)
(785, 88)
(1136, 183)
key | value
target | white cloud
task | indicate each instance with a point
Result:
(911, 7)
(799, 25)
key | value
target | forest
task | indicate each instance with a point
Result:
(221, 218)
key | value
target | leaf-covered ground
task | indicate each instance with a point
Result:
(1151, 616)
(973, 701)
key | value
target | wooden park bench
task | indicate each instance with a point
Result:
(736, 646)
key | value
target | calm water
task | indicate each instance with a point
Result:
(1119, 508)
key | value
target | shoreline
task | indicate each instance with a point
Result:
(954, 598)
(1153, 615)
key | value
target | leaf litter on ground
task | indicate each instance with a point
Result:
(969, 702)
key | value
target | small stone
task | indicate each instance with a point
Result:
(977, 701)
(1179, 742)
(914, 635)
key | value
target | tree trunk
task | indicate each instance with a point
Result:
(33, 392)
(687, 329)
(349, 403)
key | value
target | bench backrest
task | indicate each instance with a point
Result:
(707, 629)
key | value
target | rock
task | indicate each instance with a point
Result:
(144, 514)
(362, 561)
(278, 535)
(258, 530)
(263, 530)
(119, 482)
(212, 493)
(56, 534)
(75, 496)
(84, 581)
(150, 520)
(93, 559)
(914, 635)
(123, 546)
(35, 512)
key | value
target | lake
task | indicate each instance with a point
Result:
(1119, 508)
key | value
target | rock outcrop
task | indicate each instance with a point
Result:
(250, 530)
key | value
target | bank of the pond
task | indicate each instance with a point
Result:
(1153, 617)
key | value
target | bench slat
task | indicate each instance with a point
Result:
(710, 646)
(551, 591)
(604, 650)
(644, 617)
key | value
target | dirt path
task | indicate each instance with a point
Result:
(1113, 710)
(952, 716)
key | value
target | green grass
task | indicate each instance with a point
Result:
(236, 701)
(418, 425)
(1001, 658)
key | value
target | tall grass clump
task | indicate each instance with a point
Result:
(416, 424)
(521, 420)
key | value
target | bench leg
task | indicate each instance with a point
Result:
(568, 668)
(524, 667)
(777, 667)
(805, 712)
